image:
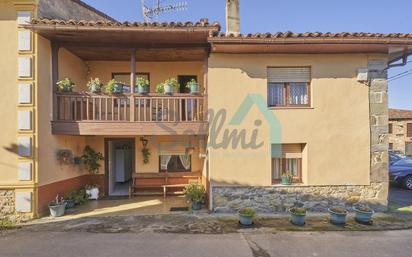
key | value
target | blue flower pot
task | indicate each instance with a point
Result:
(196, 206)
(285, 181)
(362, 216)
(245, 220)
(118, 88)
(337, 218)
(70, 203)
(143, 89)
(297, 219)
(194, 89)
(57, 210)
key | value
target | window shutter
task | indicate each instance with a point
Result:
(172, 148)
(292, 150)
(295, 74)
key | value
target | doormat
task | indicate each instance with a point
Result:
(179, 209)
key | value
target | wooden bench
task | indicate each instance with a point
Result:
(163, 180)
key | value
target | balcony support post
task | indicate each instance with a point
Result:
(205, 84)
(55, 76)
(132, 84)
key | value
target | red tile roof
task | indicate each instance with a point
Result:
(397, 114)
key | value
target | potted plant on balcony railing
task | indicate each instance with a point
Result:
(193, 86)
(95, 86)
(286, 178)
(167, 86)
(142, 85)
(65, 85)
(114, 87)
(195, 193)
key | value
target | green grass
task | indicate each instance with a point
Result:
(6, 224)
(397, 207)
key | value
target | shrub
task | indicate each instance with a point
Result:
(195, 192)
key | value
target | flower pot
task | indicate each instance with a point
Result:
(168, 90)
(285, 181)
(196, 206)
(143, 89)
(363, 216)
(337, 218)
(67, 89)
(95, 89)
(194, 89)
(117, 88)
(245, 220)
(297, 219)
(57, 210)
(70, 203)
(93, 193)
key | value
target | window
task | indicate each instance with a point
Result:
(175, 163)
(288, 87)
(390, 128)
(290, 160)
(409, 130)
(408, 148)
(124, 78)
(390, 146)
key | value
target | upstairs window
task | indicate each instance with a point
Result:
(288, 86)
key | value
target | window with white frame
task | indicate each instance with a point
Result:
(288, 86)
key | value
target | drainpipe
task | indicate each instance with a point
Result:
(404, 59)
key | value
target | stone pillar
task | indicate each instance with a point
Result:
(378, 113)
(232, 17)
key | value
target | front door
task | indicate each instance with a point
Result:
(120, 166)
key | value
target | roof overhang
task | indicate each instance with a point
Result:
(113, 41)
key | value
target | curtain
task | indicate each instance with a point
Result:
(185, 159)
(298, 94)
(164, 161)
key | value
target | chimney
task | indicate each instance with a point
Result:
(232, 17)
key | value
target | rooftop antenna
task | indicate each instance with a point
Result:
(149, 13)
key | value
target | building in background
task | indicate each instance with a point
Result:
(400, 131)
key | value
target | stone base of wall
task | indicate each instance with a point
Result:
(7, 207)
(279, 199)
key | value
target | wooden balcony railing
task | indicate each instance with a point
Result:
(144, 108)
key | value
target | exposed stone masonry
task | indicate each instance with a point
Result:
(6, 203)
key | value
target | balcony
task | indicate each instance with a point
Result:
(129, 114)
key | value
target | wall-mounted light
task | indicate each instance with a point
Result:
(144, 142)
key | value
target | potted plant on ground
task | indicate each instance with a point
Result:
(114, 87)
(338, 215)
(95, 86)
(167, 86)
(298, 215)
(195, 193)
(286, 178)
(81, 197)
(246, 216)
(57, 207)
(91, 160)
(70, 199)
(363, 213)
(193, 86)
(142, 85)
(65, 85)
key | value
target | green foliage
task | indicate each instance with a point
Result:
(195, 192)
(146, 154)
(287, 174)
(91, 159)
(79, 196)
(338, 209)
(142, 82)
(298, 210)
(6, 224)
(94, 85)
(192, 82)
(363, 208)
(160, 88)
(65, 85)
(248, 212)
(170, 82)
(112, 86)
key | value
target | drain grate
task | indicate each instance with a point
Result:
(179, 209)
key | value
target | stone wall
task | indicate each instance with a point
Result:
(278, 199)
(6, 202)
(399, 137)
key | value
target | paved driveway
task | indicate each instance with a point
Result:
(400, 196)
(282, 244)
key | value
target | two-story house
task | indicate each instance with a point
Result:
(312, 105)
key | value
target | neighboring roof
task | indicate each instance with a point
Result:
(398, 114)
(79, 24)
(91, 8)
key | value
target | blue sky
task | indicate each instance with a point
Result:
(277, 15)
